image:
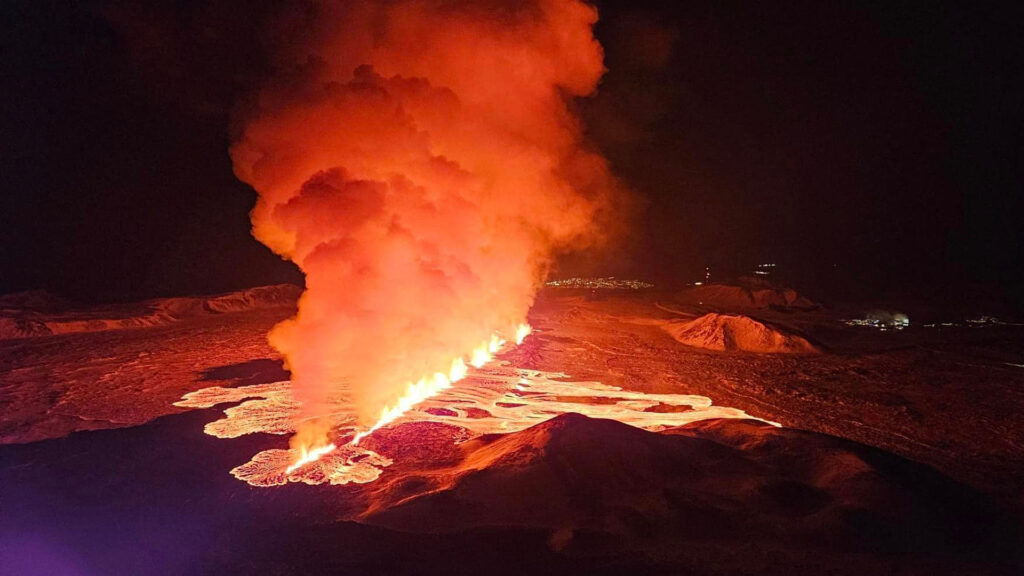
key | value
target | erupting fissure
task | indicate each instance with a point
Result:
(311, 455)
(422, 163)
(500, 400)
(415, 393)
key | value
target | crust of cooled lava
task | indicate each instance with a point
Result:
(735, 333)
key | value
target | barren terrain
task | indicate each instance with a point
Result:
(899, 451)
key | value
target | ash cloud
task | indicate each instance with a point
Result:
(421, 162)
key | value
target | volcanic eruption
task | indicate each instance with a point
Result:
(421, 163)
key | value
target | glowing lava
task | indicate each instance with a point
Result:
(522, 332)
(311, 456)
(500, 399)
(480, 356)
(429, 387)
(415, 393)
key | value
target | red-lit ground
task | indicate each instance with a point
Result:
(440, 492)
(93, 378)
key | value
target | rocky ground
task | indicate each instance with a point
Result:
(949, 397)
(901, 452)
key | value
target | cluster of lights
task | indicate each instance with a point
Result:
(419, 391)
(898, 322)
(979, 322)
(610, 283)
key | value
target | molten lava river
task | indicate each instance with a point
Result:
(489, 396)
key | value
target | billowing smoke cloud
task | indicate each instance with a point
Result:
(421, 163)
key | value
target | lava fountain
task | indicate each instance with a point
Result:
(497, 399)
(420, 161)
(415, 393)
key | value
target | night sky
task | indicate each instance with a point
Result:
(872, 150)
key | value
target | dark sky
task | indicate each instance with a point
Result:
(876, 146)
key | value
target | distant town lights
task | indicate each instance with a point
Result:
(609, 283)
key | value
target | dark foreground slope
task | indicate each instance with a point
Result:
(153, 494)
(571, 495)
(601, 488)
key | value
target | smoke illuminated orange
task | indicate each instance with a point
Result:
(420, 162)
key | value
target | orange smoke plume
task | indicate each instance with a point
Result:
(420, 161)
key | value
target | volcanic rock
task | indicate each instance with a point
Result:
(37, 313)
(715, 480)
(729, 297)
(735, 333)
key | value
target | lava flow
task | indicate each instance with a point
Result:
(498, 399)
(311, 455)
(429, 387)
(415, 393)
